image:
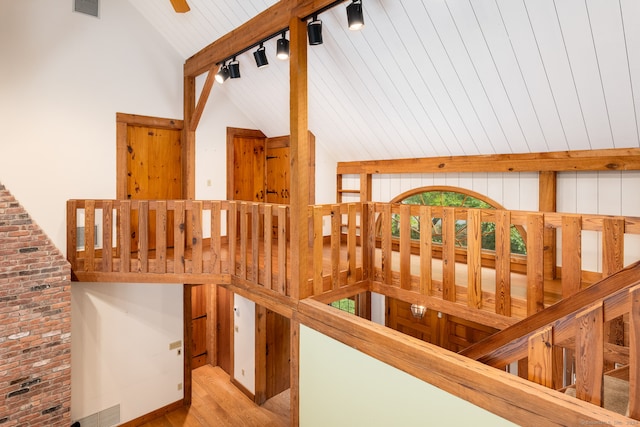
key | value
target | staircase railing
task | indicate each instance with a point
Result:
(578, 324)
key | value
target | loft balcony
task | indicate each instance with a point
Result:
(355, 248)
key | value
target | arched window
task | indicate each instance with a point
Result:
(456, 197)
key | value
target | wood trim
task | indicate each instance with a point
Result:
(156, 122)
(617, 159)
(508, 396)
(146, 418)
(243, 389)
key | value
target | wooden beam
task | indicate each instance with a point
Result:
(617, 159)
(204, 97)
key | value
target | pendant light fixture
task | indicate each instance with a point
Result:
(314, 31)
(260, 56)
(355, 17)
(282, 49)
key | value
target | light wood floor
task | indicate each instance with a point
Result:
(216, 402)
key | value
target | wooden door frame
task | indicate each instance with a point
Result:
(123, 121)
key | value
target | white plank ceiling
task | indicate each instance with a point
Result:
(442, 77)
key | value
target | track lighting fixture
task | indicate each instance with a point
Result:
(314, 31)
(355, 17)
(282, 50)
(234, 69)
(261, 57)
(223, 74)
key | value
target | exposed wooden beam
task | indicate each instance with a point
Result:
(204, 97)
(263, 25)
(617, 159)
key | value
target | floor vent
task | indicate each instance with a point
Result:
(106, 418)
(88, 7)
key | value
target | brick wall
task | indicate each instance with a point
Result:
(35, 323)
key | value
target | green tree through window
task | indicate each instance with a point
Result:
(455, 197)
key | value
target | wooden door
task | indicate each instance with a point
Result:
(223, 329)
(199, 326)
(149, 165)
(278, 170)
(278, 354)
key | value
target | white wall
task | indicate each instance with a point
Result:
(340, 386)
(63, 77)
(244, 342)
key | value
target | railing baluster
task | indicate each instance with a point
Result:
(387, 264)
(368, 253)
(143, 236)
(612, 245)
(590, 354)
(474, 258)
(215, 238)
(351, 243)
(89, 234)
(335, 246)
(540, 357)
(449, 254)
(535, 263)
(268, 242)
(125, 236)
(244, 229)
(179, 237)
(161, 237)
(196, 236)
(503, 263)
(426, 253)
(282, 250)
(233, 235)
(571, 254)
(255, 242)
(107, 236)
(317, 250)
(405, 246)
(72, 233)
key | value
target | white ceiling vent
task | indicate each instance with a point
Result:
(89, 7)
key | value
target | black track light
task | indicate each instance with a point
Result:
(314, 31)
(282, 50)
(355, 16)
(260, 56)
(223, 74)
(234, 69)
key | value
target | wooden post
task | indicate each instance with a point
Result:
(634, 353)
(299, 159)
(590, 355)
(474, 258)
(540, 366)
(547, 188)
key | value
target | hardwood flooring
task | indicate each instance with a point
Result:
(217, 403)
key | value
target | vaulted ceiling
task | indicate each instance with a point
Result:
(441, 77)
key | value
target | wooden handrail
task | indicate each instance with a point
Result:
(509, 344)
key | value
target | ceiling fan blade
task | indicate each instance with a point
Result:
(180, 6)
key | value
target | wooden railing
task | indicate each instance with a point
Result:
(179, 241)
